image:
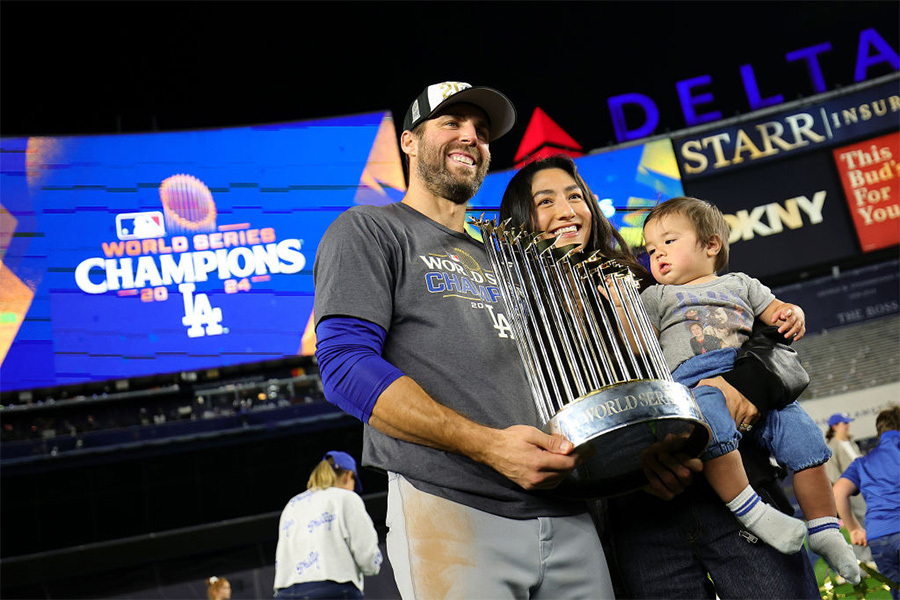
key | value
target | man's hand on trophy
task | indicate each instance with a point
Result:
(530, 457)
(668, 470)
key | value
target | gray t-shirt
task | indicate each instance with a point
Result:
(695, 319)
(434, 292)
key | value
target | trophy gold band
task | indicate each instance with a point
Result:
(593, 361)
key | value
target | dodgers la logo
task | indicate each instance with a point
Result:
(199, 315)
(501, 324)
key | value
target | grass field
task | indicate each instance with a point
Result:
(871, 587)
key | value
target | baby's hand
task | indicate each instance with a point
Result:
(614, 297)
(791, 321)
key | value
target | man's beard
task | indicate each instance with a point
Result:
(438, 179)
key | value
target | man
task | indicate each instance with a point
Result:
(413, 340)
(692, 546)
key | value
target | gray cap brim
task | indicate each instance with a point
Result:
(498, 108)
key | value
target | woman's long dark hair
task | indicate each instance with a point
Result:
(518, 206)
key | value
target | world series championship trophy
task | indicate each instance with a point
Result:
(593, 362)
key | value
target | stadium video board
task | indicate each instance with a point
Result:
(132, 255)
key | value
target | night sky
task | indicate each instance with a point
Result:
(107, 67)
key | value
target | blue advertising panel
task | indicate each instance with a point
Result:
(133, 255)
(847, 297)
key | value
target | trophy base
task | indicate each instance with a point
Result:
(615, 425)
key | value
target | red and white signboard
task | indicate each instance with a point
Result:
(870, 174)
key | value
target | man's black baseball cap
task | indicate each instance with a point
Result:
(500, 111)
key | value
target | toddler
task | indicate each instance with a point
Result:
(701, 319)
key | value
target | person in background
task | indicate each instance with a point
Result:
(844, 450)
(687, 545)
(326, 539)
(877, 476)
(218, 588)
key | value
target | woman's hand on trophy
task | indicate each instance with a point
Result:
(744, 413)
(531, 458)
(668, 470)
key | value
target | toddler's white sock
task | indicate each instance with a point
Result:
(826, 540)
(782, 532)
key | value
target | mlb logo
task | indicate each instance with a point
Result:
(139, 226)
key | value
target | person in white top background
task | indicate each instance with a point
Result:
(327, 542)
(844, 451)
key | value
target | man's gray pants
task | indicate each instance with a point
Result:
(441, 549)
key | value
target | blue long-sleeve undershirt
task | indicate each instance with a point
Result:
(353, 372)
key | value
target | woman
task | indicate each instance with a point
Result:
(844, 451)
(326, 539)
(689, 546)
(549, 195)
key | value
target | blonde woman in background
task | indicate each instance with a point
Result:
(218, 588)
(326, 539)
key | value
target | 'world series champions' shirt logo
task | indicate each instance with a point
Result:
(457, 274)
